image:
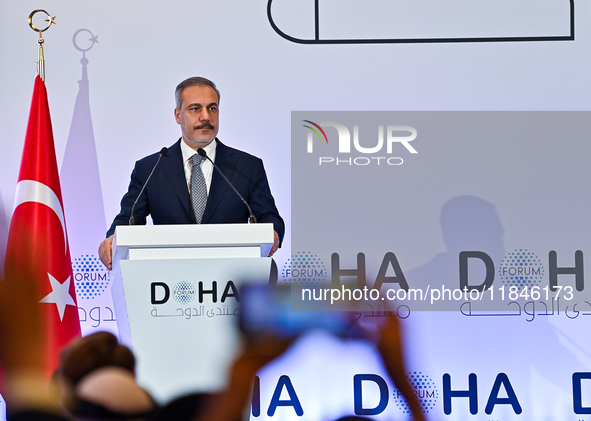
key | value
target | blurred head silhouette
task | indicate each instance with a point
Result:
(469, 223)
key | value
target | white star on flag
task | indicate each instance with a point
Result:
(60, 295)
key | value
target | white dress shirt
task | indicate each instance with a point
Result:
(206, 166)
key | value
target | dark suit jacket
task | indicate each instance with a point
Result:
(167, 198)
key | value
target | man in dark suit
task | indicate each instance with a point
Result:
(167, 197)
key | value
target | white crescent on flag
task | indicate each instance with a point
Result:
(34, 191)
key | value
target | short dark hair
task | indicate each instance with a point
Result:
(193, 81)
(97, 350)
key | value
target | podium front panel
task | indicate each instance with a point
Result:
(182, 319)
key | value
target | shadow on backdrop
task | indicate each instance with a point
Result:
(517, 345)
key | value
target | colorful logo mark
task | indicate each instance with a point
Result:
(316, 131)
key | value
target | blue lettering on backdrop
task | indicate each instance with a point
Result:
(494, 399)
(471, 393)
(578, 393)
(358, 394)
(293, 400)
(95, 315)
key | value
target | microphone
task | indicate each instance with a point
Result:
(251, 218)
(163, 152)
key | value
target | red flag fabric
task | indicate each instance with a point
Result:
(37, 254)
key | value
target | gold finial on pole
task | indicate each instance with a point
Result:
(50, 19)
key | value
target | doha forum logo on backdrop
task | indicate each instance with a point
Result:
(305, 267)
(90, 277)
(521, 268)
(425, 390)
(358, 142)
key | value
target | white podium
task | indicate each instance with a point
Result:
(175, 296)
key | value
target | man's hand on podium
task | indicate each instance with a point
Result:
(105, 252)
(275, 244)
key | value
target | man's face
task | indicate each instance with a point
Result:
(198, 115)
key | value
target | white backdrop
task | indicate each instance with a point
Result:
(144, 49)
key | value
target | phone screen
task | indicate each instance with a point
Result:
(266, 310)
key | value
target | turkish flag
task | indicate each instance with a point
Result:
(37, 255)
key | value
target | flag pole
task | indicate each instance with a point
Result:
(50, 19)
